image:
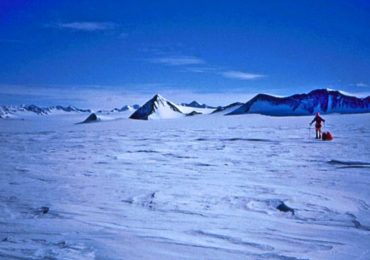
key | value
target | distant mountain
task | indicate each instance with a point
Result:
(196, 105)
(194, 113)
(13, 111)
(157, 108)
(66, 109)
(227, 109)
(126, 108)
(9, 111)
(321, 100)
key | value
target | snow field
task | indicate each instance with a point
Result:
(198, 187)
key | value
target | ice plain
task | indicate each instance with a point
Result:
(203, 187)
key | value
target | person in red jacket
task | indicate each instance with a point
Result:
(318, 124)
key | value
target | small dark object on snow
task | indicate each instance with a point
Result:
(356, 223)
(284, 208)
(151, 202)
(91, 118)
(62, 244)
(193, 113)
(43, 210)
(327, 136)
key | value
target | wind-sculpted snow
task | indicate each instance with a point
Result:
(189, 188)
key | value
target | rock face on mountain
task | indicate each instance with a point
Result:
(90, 119)
(320, 100)
(193, 113)
(157, 108)
(228, 108)
(196, 105)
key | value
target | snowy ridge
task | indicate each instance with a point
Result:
(321, 100)
(126, 108)
(15, 111)
(10, 111)
(196, 104)
(157, 108)
(227, 109)
(66, 109)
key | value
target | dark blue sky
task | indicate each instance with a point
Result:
(231, 48)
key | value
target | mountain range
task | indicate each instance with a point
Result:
(325, 101)
(160, 108)
(125, 108)
(12, 111)
(195, 104)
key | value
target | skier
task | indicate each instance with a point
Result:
(318, 119)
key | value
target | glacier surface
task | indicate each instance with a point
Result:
(204, 187)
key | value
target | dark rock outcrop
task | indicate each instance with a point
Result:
(90, 119)
(193, 113)
(284, 208)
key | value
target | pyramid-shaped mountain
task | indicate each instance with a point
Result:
(157, 108)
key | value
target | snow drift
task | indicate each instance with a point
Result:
(196, 188)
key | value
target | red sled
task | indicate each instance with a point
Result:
(327, 136)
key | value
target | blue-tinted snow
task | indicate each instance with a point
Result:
(203, 187)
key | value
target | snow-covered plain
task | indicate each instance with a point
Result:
(203, 187)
